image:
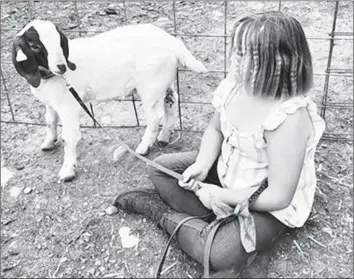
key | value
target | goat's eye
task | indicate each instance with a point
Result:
(35, 47)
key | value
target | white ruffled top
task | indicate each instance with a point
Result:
(243, 161)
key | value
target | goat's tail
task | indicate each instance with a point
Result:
(187, 59)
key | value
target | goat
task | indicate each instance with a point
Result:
(141, 58)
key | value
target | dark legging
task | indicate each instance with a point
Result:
(227, 251)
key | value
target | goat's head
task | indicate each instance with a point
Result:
(40, 50)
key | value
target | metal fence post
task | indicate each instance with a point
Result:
(177, 73)
(7, 95)
(225, 38)
(329, 62)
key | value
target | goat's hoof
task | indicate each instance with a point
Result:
(48, 145)
(66, 174)
(163, 138)
(162, 143)
(142, 150)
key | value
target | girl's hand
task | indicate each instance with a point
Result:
(207, 193)
(194, 172)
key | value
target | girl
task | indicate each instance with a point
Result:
(264, 127)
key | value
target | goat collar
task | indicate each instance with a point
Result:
(45, 73)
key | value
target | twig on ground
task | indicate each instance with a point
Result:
(313, 217)
(335, 180)
(137, 245)
(319, 271)
(325, 183)
(189, 276)
(168, 268)
(345, 177)
(317, 242)
(339, 205)
(330, 244)
(60, 262)
(346, 185)
(126, 266)
(119, 274)
(326, 175)
(11, 267)
(112, 230)
(321, 194)
(80, 233)
(298, 247)
(177, 139)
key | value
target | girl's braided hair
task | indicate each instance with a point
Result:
(269, 53)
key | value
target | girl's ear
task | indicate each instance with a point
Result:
(25, 62)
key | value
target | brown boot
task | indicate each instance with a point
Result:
(256, 267)
(226, 273)
(142, 201)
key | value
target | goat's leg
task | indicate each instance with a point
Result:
(51, 119)
(169, 119)
(153, 115)
(71, 135)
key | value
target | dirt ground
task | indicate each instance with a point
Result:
(61, 230)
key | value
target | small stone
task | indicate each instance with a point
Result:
(15, 191)
(86, 236)
(102, 269)
(27, 190)
(111, 210)
(73, 25)
(110, 11)
(13, 252)
(118, 153)
(6, 175)
(102, 213)
(19, 166)
(7, 222)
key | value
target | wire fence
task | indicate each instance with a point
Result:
(325, 104)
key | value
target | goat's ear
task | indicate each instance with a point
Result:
(25, 62)
(65, 46)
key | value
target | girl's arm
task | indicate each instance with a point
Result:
(211, 143)
(208, 152)
(286, 151)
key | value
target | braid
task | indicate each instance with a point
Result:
(293, 75)
(255, 58)
(277, 72)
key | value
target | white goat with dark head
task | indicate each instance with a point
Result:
(111, 64)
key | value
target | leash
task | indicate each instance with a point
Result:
(179, 225)
(214, 226)
(125, 146)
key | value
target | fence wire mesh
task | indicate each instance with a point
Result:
(333, 85)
